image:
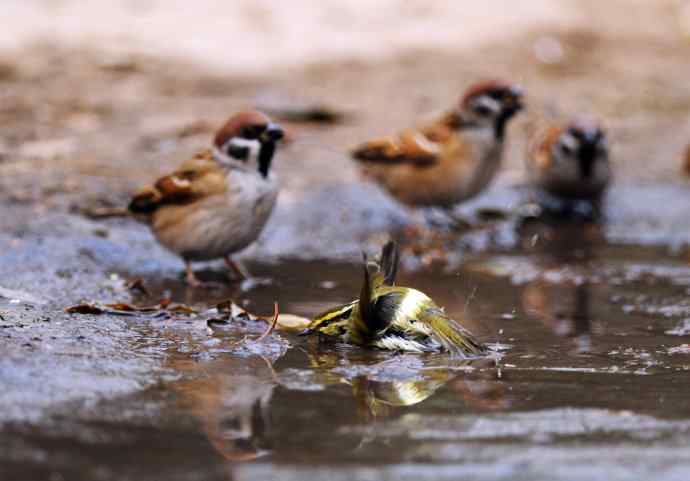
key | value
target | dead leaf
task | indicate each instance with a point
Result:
(180, 308)
(84, 309)
(291, 109)
(120, 306)
(291, 322)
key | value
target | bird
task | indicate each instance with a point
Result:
(568, 165)
(217, 202)
(390, 317)
(449, 160)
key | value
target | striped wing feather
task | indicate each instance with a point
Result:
(409, 147)
(199, 177)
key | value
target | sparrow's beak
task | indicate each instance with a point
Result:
(306, 332)
(273, 133)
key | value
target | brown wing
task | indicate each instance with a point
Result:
(196, 178)
(539, 147)
(409, 147)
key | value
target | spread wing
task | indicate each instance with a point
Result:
(196, 178)
(450, 334)
(409, 147)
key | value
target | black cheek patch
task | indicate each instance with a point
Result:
(238, 152)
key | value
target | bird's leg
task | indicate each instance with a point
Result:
(195, 282)
(241, 274)
(191, 278)
(239, 271)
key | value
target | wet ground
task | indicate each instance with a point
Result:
(591, 383)
(591, 325)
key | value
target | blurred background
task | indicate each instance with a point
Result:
(97, 98)
(261, 36)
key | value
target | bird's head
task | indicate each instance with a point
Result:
(583, 144)
(490, 104)
(249, 138)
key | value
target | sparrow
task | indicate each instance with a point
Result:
(394, 318)
(449, 160)
(568, 165)
(218, 202)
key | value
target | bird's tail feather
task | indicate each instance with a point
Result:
(388, 264)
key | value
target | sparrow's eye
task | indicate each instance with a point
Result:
(482, 110)
(486, 106)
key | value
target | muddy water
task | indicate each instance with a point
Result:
(589, 381)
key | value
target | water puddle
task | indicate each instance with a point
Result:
(590, 349)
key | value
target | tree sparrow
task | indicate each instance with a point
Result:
(449, 160)
(216, 203)
(569, 165)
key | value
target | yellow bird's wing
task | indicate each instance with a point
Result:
(450, 334)
(330, 316)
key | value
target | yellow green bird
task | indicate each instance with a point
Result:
(394, 318)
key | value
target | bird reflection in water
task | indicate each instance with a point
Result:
(403, 381)
(231, 398)
(566, 252)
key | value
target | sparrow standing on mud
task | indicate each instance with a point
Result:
(450, 160)
(216, 203)
(395, 318)
(569, 166)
